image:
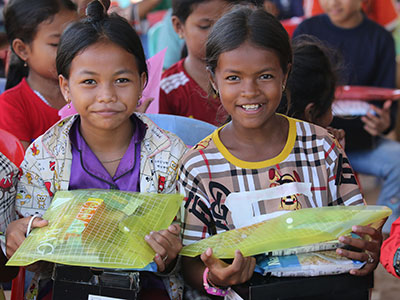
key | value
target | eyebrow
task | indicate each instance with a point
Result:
(55, 35)
(260, 71)
(122, 71)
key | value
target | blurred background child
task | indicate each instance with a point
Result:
(184, 86)
(369, 58)
(33, 28)
(311, 86)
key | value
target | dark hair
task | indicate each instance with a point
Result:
(248, 24)
(97, 27)
(21, 20)
(313, 77)
(183, 8)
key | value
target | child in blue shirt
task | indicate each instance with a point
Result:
(369, 60)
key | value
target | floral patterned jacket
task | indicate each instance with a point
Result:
(47, 169)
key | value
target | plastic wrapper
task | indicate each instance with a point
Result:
(99, 228)
(292, 229)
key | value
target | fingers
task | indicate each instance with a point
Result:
(371, 248)
(210, 260)
(39, 223)
(161, 266)
(368, 230)
(167, 245)
(378, 120)
(16, 232)
(223, 274)
(368, 268)
(387, 105)
(360, 256)
(158, 243)
(174, 229)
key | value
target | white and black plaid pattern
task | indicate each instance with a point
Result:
(207, 177)
(8, 190)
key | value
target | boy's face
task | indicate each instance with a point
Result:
(343, 13)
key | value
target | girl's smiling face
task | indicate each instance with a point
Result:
(250, 82)
(104, 86)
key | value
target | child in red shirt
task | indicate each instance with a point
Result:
(184, 86)
(34, 29)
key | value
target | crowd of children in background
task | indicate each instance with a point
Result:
(233, 65)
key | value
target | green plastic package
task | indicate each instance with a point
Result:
(99, 228)
(292, 229)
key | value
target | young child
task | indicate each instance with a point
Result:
(249, 57)
(311, 86)
(184, 86)
(34, 29)
(383, 12)
(369, 59)
(102, 71)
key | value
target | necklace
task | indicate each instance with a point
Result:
(110, 161)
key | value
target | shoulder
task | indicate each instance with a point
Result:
(174, 77)
(203, 149)
(312, 23)
(310, 135)
(16, 93)
(157, 140)
(50, 141)
(376, 30)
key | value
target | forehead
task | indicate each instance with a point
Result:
(104, 56)
(56, 24)
(212, 10)
(248, 57)
(346, 3)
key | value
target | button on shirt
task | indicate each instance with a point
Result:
(87, 172)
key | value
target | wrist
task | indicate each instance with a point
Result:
(212, 288)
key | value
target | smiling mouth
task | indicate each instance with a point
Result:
(251, 107)
(107, 112)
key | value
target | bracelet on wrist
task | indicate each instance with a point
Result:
(213, 289)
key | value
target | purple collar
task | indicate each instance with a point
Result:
(88, 172)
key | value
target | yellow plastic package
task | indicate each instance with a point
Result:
(99, 228)
(292, 229)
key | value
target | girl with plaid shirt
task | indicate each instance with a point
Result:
(248, 59)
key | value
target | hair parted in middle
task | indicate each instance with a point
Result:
(98, 27)
(248, 24)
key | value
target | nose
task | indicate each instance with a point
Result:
(106, 93)
(249, 88)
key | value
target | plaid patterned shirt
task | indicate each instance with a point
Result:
(312, 162)
(8, 190)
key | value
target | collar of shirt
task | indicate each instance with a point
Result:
(88, 172)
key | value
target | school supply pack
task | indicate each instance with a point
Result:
(310, 260)
(99, 228)
(291, 229)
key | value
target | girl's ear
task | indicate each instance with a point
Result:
(309, 112)
(289, 67)
(143, 80)
(212, 80)
(21, 49)
(178, 26)
(64, 87)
